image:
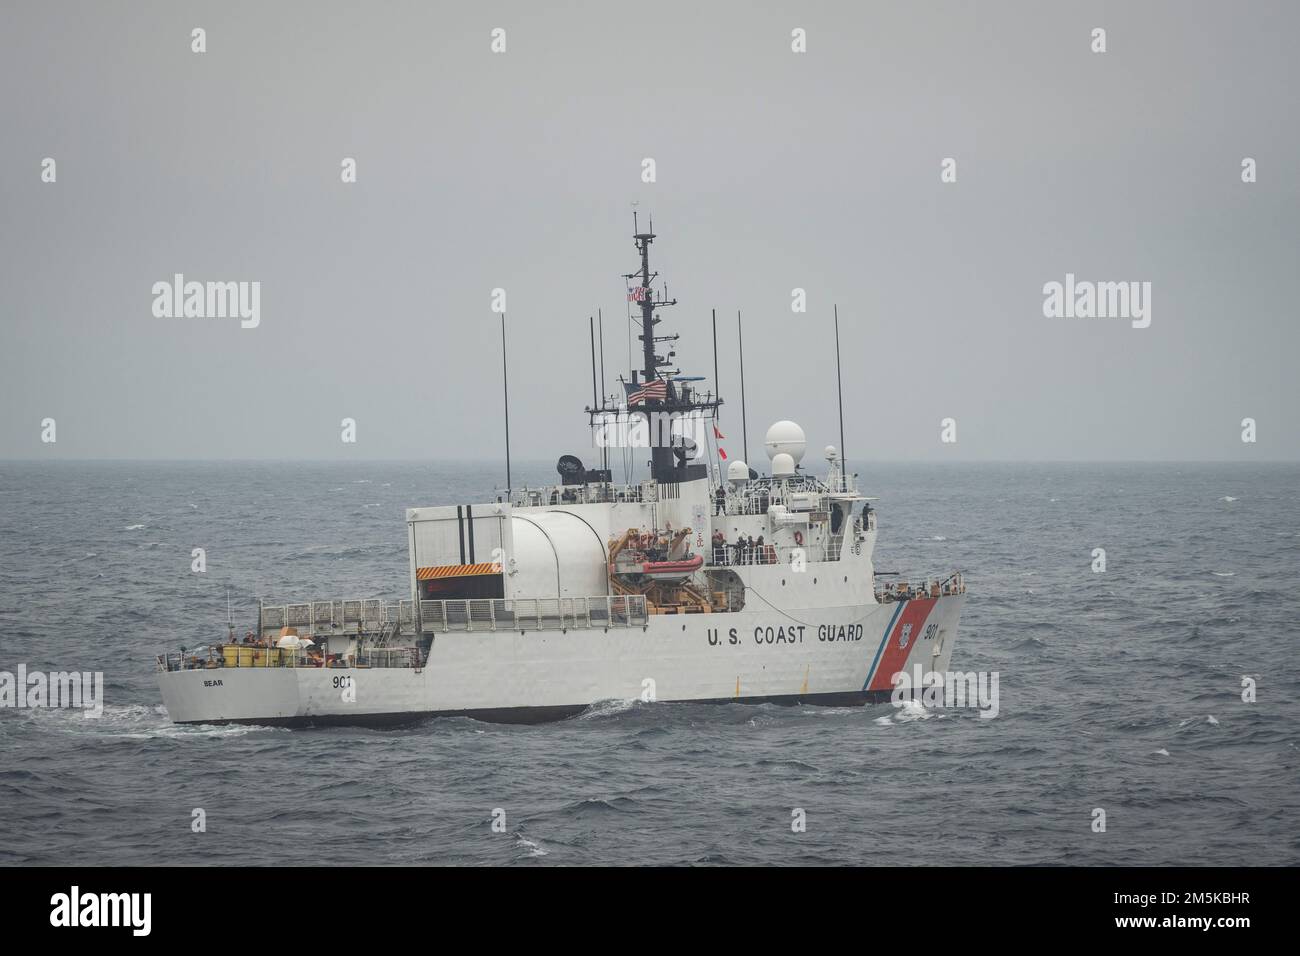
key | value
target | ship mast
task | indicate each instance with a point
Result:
(648, 305)
(663, 461)
(669, 463)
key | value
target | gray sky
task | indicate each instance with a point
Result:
(775, 170)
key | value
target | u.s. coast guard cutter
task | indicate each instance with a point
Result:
(702, 582)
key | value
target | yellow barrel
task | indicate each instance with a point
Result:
(245, 656)
(230, 654)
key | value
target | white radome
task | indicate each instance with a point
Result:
(738, 471)
(782, 465)
(786, 438)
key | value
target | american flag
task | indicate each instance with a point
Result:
(637, 395)
(636, 293)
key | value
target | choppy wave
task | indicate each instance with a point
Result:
(529, 847)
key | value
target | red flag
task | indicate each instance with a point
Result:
(716, 433)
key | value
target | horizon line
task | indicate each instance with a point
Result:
(549, 461)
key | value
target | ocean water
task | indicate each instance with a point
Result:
(1119, 690)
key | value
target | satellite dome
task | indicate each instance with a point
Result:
(785, 438)
(782, 465)
(737, 471)
(832, 453)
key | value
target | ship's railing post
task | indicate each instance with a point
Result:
(492, 614)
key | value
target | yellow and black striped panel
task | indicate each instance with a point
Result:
(456, 571)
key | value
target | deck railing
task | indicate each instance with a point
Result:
(733, 557)
(593, 493)
(218, 656)
(954, 583)
(338, 617)
(533, 614)
(325, 618)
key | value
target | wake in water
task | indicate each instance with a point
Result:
(908, 711)
(132, 722)
(608, 708)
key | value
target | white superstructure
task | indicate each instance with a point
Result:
(694, 584)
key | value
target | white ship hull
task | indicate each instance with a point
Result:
(811, 655)
(689, 585)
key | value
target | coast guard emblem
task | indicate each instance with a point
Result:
(905, 636)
